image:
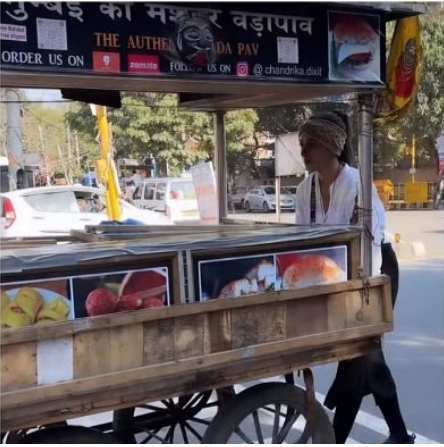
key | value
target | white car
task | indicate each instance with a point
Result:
(172, 197)
(264, 198)
(56, 210)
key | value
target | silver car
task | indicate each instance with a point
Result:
(264, 198)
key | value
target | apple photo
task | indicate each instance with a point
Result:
(121, 291)
(354, 47)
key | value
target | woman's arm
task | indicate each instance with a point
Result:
(302, 215)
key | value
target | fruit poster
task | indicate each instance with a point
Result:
(62, 299)
(248, 275)
(36, 302)
(108, 293)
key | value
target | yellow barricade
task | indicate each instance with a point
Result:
(416, 192)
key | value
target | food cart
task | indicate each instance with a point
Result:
(169, 315)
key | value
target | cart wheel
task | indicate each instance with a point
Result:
(269, 413)
(164, 421)
(70, 434)
(17, 436)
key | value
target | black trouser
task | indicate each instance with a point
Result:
(369, 374)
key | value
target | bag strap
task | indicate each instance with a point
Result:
(313, 201)
(354, 220)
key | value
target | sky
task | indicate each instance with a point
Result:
(43, 95)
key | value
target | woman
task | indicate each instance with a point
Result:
(328, 196)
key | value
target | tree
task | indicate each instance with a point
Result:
(151, 124)
(285, 119)
(48, 123)
(240, 126)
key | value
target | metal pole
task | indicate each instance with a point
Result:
(112, 197)
(278, 199)
(221, 163)
(77, 149)
(413, 169)
(14, 138)
(365, 148)
(45, 157)
(63, 162)
(68, 144)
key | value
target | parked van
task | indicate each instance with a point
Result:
(173, 196)
(4, 168)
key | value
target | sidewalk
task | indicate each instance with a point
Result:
(422, 233)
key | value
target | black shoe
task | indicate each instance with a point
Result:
(392, 439)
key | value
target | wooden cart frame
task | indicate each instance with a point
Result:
(206, 345)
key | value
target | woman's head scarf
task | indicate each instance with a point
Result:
(328, 130)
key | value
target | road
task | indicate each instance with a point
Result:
(415, 353)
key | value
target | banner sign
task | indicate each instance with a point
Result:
(294, 42)
(248, 275)
(205, 186)
(57, 300)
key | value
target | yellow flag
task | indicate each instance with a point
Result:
(403, 69)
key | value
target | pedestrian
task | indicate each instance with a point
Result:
(136, 178)
(329, 196)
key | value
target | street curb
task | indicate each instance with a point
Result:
(407, 250)
(410, 250)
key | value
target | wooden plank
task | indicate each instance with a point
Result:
(174, 385)
(258, 324)
(355, 255)
(189, 336)
(148, 230)
(18, 366)
(175, 291)
(126, 347)
(387, 302)
(219, 331)
(9, 336)
(92, 353)
(336, 312)
(158, 341)
(361, 310)
(107, 382)
(308, 316)
(84, 237)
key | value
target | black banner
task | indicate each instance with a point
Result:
(294, 42)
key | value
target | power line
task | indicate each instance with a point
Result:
(42, 101)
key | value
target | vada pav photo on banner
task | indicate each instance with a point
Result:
(108, 293)
(36, 303)
(236, 277)
(307, 268)
(354, 47)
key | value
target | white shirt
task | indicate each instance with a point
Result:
(340, 210)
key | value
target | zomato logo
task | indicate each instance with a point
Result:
(143, 64)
